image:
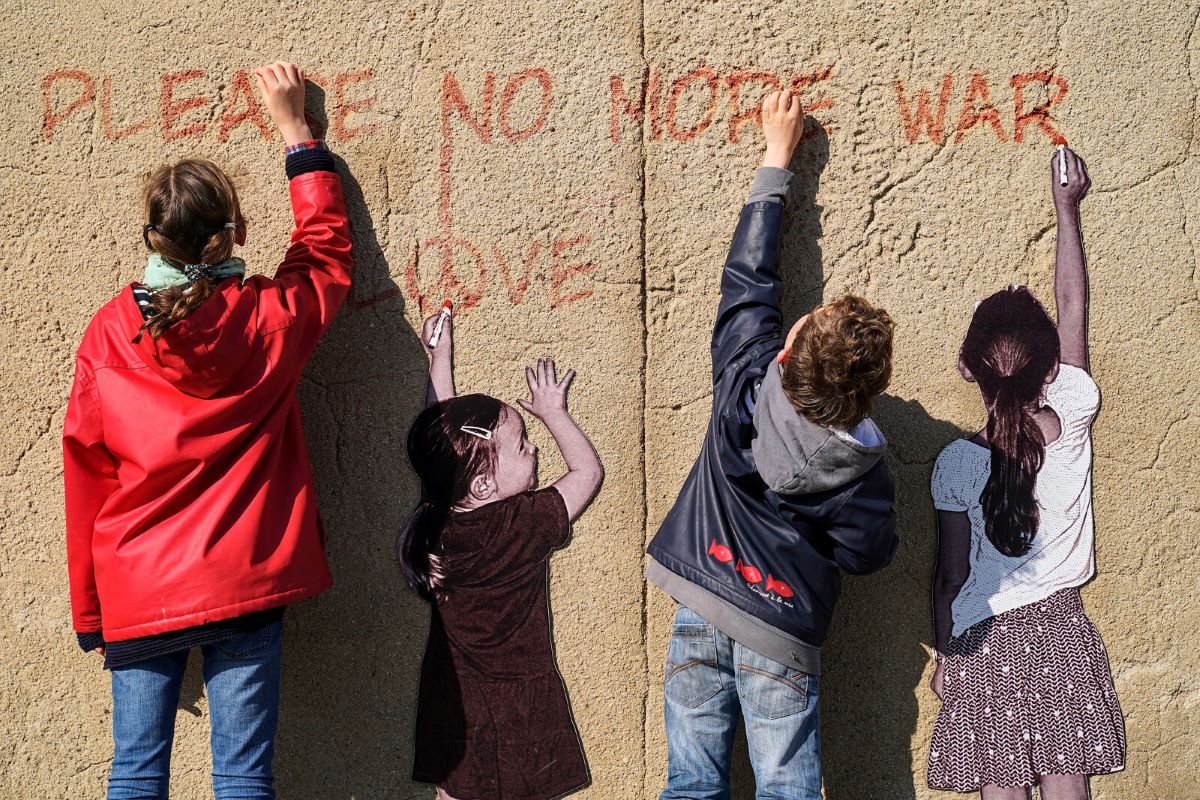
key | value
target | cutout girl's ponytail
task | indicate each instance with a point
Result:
(1011, 348)
(1009, 508)
(446, 459)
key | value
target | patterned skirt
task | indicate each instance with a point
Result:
(1027, 693)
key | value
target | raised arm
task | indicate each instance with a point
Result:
(548, 402)
(314, 276)
(441, 359)
(750, 282)
(1070, 265)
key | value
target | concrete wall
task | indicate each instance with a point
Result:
(621, 217)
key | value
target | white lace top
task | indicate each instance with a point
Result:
(1062, 553)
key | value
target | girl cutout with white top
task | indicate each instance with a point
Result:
(1027, 694)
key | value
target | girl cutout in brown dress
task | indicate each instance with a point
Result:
(493, 720)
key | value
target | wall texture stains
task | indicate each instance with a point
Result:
(570, 173)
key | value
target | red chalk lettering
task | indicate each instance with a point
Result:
(738, 117)
(934, 125)
(447, 283)
(560, 273)
(970, 117)
(516, 289)
(106, 115)
(1041, 112)
(231, 118)
(170, 110)
(709, 77)
(343, 108)
(800, 83)
(619, 103)
(52, 117)
(510, 92)
(452, 100)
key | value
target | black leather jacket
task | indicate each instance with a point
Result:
(775, 558)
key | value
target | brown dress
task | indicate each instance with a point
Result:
(493, 719)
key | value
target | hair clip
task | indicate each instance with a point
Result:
(195, 272)
(475, 430)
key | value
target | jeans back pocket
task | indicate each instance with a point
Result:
(769, 689)
(251, 643)
(691, 675)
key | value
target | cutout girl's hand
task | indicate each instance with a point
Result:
(1068, 197)
(445, 338)
(547, 394)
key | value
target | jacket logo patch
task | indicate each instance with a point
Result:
(775, 590)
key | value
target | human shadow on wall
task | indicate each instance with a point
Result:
(873, 660)
(352, 655)
(875, 657)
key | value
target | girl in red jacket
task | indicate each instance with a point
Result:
(191, 512)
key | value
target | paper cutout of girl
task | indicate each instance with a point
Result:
(1027, 694)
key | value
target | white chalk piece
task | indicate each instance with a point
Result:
(1062, 165)
(447, 306)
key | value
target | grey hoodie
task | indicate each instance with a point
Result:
(794, 455)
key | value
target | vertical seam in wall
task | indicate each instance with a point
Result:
(645, 312)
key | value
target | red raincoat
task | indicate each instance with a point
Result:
(188, 488)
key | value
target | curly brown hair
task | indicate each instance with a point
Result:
(840, 362)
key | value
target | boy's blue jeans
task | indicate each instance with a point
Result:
(241, 676)
(707, 680)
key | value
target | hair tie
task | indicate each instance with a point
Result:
(475, 430)
(231, 225)
(195, 272)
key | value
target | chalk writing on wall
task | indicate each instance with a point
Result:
(182, 105)
(512, 110)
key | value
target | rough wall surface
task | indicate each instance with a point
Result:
(571, 172)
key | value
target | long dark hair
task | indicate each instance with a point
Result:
(446, 458)
(1010, 349)
(188, 204)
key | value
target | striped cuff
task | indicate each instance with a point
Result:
(310, 156)
(90, 641)
(311, 144)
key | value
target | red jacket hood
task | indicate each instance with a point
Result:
(199, 354)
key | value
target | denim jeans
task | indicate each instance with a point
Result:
(708, 679)
(241, 676)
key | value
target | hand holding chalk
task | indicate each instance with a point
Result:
(437, 331)
(1070, 181)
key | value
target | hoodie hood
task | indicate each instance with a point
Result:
(797, 456)
(201, 353)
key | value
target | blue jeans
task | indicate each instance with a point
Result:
(241, 676)
(707, 680)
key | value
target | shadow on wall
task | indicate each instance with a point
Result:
(352, 656)
(873, 659)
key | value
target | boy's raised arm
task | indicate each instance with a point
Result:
(750, 282)
(1070, 266)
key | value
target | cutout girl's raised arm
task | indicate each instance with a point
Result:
(1070, 265)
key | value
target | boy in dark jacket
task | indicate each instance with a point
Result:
(790, 488)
